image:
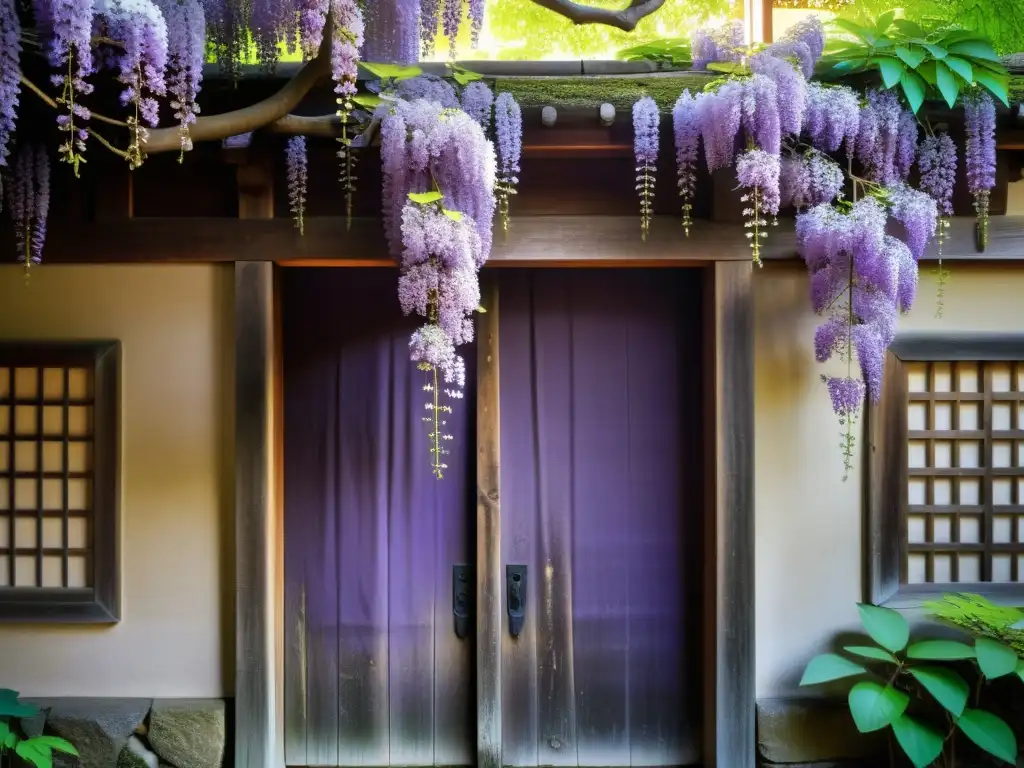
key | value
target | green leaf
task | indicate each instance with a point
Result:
(32, 751)
(913, 89)
(941, 650)
(874, 707)
(57, 743)
(946, 686)
(10, 706)
(892, 70)
(829, 666)
(975, 49)
(855, 29)
(997, 85)
(927, 72)
(849, 66)
(885, 21)
(961, 66)
(935, 50)
(910, 56)
(1020, 669)
(8, 738)
(921, 743)
(368, 100)
(990, 733)
(885, 626)
(390, 71)
(946, 82)
(453, 215)
(425, 197)
(908, 28)
(871, 652)
(481, 310)
(994, 658)
(729, 67)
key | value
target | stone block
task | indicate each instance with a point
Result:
(189, 733)
(98, 727)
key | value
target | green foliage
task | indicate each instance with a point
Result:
(912, 678)
(38, 750)
(673, 51)
(924, 59)
(981, 617)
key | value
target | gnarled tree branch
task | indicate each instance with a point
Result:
(579, 13)
(262, 114)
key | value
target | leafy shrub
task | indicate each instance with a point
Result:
(902, 682)
(38, 750)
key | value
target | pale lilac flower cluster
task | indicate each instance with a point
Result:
(790, 89)
(297, 171)
(810, 179)
(392, 31)
(186, 51)
(508, 130)
(720, 112)
(833, 117)
(646, 122)
(476, 19)
(805, 42)
(887, 138)
(980, 152)
(451, 22)
(271, 22)
(761, 113)
(421, 140)
(430, 18)
(28, 200)
(310, 21)
(348, 39)
(716, 45)
(10, 73)
(758, 174)
(686, 131)
(477, 100)
(430, 88)
(140, 27)
(917, 212)
(936, 159)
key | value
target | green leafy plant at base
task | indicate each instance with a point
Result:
(908, 686)
(932, 58)
(975, 614)
(38, 750)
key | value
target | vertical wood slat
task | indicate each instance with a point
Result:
(729, 534)
(257, 720)
(488, 532)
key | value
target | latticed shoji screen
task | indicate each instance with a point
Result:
(964, 519)
(46, 471)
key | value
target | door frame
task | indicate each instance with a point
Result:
(728, 548)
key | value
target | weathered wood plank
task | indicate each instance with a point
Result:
(604, 241)
(488, 533)
(729, 522)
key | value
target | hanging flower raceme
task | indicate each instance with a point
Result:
(186, 52)
(430, 19)
(686, 131)
(348, 38)
(508, 129)
(451, 22)
(139, 28)
(438, 194)
(980, 155)
(917, 212)
(808, 179)
(296, 166)
(10, 73)
(720, 112)
(28, 201)
(758, 174)
(936, 160)
(477, 101)
(430, 88)
(717, 45)
(790, 90)
(393, 31)
(832, 118)
(887, 139)
(646, 120)
(70, 23)
(804, 42)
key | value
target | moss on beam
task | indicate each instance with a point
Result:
(590, 91)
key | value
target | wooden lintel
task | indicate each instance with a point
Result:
(532, 240)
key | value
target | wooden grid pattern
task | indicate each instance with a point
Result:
(964, 513)
(46, 473)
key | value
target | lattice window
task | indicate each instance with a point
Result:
(947, 475)
(58, 482)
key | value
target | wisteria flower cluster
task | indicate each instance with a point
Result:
(646, 121)
(980, 155)
(348, 39)
(10, 70)
(937, 163)
(28, 201)
(296, 165)
(508, 130)
(686, 132)
(433, 154)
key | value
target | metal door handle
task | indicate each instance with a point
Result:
(515, 597)
(462, 584)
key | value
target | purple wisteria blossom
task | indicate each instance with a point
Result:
(936, 159)
(392, 31)
(296, 166)
(832, 117)
(720, 113)
(719, 44)
(186, 51)
(508, 130)
(348, 39)
(477, 100)
(140, 27)
(790, 87)
(429, 87)
(917, 212)
(646, 121)
(10, 73)
(980, 153)
(430, 20)
(28, 201)
(761, 113)
(810, 179)
(686, 132)
(758, 173)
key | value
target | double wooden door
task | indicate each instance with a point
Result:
(599, 527)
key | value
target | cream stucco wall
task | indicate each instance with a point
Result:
(177, 480)
(808, 521)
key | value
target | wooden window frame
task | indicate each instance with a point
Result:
(887, 471)
(99, 603)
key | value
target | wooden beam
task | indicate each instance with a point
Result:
(488, 537)
(606, 241)
(729, 521)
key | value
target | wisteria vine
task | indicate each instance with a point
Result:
(28, 202)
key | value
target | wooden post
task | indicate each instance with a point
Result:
(488, 534)
(258, 551)
(729, 523)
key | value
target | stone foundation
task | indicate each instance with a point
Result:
(135, 733)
